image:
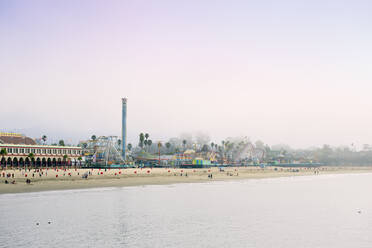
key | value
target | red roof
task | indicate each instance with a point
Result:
(17, 140)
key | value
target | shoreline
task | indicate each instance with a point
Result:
(71, 179)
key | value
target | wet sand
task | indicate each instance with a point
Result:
(72, 179)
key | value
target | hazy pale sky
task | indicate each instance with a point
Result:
(295, 72)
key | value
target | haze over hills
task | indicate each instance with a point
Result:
(296, 73)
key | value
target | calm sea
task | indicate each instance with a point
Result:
(316, 211)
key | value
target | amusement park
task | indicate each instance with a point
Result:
(114, 152)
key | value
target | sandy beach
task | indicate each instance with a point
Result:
(60, 179)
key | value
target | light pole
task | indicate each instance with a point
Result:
(159, 145)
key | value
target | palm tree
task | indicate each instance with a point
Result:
(31, 156)
(94, 137)
(145, 143)
(205, 148)
(168, 145)
(44, 138)
(159, 146)
(184, 144)
(80, 158)
(147, 136)
(129, 146)
(149, 143)
(141, 139)
(3, 153)
(64, 159)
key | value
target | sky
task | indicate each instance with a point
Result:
(293, 72)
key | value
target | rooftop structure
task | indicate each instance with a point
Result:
(16, 139)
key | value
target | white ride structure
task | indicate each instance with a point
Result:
(105, 149)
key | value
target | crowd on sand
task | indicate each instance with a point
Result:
(65, 177)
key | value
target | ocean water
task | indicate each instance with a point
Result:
(313, 211)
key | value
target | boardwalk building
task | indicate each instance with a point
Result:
(23, 151)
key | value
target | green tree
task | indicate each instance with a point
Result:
(61, 143)
(44, 138)
(149, 142)
(80, 158)
(119, 142)
(94, 137)
(147, 136)
(141, 139)
(184, 142)
(3, 153)
(31, 156)
(65, 159)
(205, 148)
(168, 145)
(129, 146)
